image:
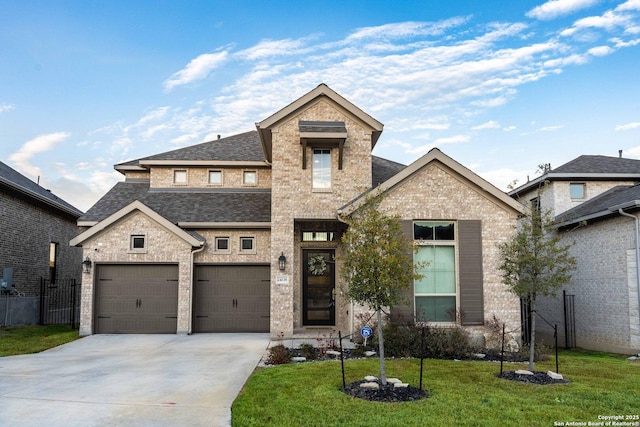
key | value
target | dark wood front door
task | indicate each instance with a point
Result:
(318, 287)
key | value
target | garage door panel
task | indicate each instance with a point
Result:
(231, 299)
(136, 298)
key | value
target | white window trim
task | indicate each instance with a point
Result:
(181, 184)
(142, 250)
(453, 243)
(215, 184)
(222, 251)
(251, 251)
(253, 184)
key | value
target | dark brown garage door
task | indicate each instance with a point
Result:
(140, 299)
(231, 298)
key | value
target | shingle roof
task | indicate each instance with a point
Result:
(18, 182)
(599, 205)
(599, 164)
(242, 147)
(186, 205)
(383, 169)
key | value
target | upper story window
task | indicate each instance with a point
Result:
(222, 244)
(321, 169)
(215, 177)
(247, 245)
(180, 177)
(249, 178)
(577, 190)
(138, 243)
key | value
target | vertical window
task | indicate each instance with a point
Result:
(321, 169)
(180, 177)
(436, 292)
(215, 177)
(249, 178)
(53, 262)
(577, 190)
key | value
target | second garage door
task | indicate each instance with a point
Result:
(231, 298)
(136, 298)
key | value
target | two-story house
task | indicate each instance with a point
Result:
(595, 202)
(243, 233)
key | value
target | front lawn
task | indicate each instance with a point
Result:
(460, 394)
(16, 340)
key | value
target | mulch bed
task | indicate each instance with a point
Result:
(537, 378)
(387, 393)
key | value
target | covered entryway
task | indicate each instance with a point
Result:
(136, 299)
(231, 298)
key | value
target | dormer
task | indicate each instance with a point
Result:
(318, 134)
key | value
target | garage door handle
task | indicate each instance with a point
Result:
(201, 316)
(235, 302)
(104, 317)
(170, 317)
(138, 303)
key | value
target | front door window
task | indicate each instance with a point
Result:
(318, 287)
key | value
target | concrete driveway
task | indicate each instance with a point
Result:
(130, 380)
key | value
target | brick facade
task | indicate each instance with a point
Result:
(26, 232)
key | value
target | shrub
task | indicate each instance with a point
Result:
(308, 351)
(279, 355)
(403, 339)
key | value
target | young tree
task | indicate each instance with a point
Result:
(375, 262)
(535, 262)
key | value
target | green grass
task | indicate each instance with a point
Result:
(460, 394)
(16, 340)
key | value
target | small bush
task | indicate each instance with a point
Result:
(404, 338)
(279, 355)
(308, 351)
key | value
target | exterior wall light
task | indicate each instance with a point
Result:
(87, 265)
(282, 261)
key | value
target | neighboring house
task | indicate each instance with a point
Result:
(35, 229)
(596, 203)
(243, 233)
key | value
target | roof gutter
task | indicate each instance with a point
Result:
(634, 203)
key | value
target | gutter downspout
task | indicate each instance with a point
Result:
(193, 252)
(635, 218)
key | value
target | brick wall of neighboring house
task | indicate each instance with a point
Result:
(112, 246)
(437, 193)
(557, 198)
(602, 285)
(292, 198)
(162, 177)
(25, 235)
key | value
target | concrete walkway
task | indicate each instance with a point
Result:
(130, 380)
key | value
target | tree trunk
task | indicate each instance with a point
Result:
(383, 371)
(532, 343)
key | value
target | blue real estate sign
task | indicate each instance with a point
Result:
(366, 332)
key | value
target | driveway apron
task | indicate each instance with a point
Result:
(130, 380)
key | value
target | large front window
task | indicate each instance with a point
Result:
(436, 292)
(321, 169)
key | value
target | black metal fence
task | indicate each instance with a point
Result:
(569, 320)
(60, 302)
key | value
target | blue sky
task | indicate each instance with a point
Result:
(500, 86)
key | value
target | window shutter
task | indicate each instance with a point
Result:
(404, 311)
(471, 281)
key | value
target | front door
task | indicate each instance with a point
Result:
(318, 287)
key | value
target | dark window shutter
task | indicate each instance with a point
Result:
(471, 286)
(404, 311)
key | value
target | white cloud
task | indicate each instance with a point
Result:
(488, 125)
(269, 48)
(600, 51)
(6, 107)
(629, 5)
(628, 126)
(43, 143)
(509, 128)
(452, 139)
(551, 128)
(555, 8)
(197, 69)
(632, 153)
(501, 178)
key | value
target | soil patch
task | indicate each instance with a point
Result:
(537, 378)
(386, 393)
